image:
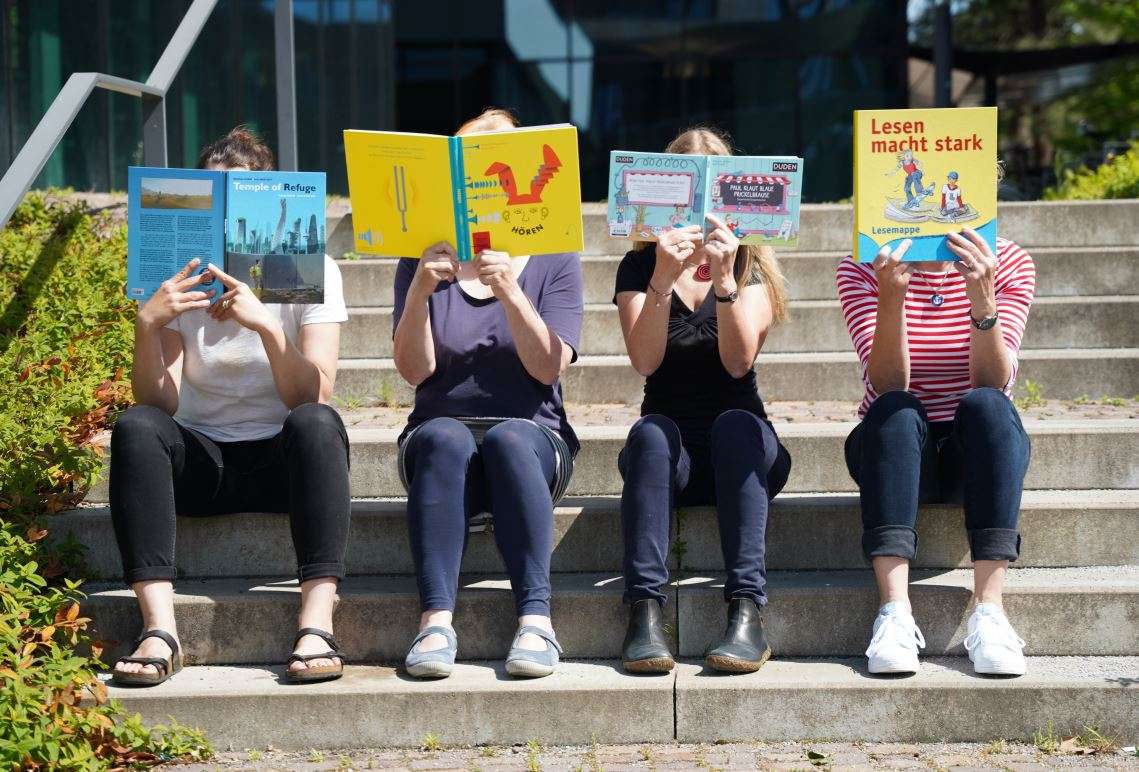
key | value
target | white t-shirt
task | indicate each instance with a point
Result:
(227, 390)
(952, 197)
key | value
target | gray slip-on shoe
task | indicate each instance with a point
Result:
(432, 664)
(533, 664)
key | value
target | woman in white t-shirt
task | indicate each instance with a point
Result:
(232, 416)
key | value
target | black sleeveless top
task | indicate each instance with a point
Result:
(691, 385)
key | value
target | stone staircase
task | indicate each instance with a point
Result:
(1074, 596)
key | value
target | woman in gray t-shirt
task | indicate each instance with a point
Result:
(485, 344)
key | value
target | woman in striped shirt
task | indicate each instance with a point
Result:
(938, 344)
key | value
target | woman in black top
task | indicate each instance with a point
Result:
(695, 312)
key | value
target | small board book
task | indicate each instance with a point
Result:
(264, 228)
(757, 197)
(515, 191)
(920, 174)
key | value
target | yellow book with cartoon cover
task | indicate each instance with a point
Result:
(920, 174)
(515, 191)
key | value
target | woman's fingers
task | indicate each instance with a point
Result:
(902, 248)
(185, 271)
(977, 241)
(222, 276)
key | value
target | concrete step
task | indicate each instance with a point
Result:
(810, 275)
(249, 707)
(806, 531)
(817, 458)
(1102, 321)
(945, 701)
(1059, 611)
(1064, 373)
(829, 227)
(586, 702)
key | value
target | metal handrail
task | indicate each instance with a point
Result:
(30, 161)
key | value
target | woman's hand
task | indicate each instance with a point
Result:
(673, 250)
(174, 296)
(893, 275)
(720, 245)
(438, 263)
(495, 271)
(977, 263)
(240, 304)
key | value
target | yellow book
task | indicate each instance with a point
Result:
(515, 191)
(920, 174)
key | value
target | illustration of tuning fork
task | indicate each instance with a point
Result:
(401, 195)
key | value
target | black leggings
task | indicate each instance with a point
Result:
(160, 468)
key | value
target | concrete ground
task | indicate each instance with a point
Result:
(774, 756)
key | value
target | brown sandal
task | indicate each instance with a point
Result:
(321, 673)
(165, 667)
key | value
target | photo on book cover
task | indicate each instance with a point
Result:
(275, 234)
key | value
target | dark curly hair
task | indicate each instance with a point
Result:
(240, 147)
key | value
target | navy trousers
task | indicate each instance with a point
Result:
(743, 468)
(451, 478)
(900, 460)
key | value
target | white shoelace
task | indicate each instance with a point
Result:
(895, 629)
(994, 629)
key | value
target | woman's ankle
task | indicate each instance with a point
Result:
(436, 618)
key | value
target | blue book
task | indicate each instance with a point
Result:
(757, 197)
(263, 228)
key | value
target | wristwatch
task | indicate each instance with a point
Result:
(984, 324)
(731, 297)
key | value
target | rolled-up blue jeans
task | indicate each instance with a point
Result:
(900, 460)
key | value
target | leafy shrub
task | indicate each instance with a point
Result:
(1117, 178)
(65, 342)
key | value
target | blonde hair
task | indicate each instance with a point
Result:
(490, 119)
(754, 264)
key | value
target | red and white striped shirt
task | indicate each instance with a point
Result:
(938, 336)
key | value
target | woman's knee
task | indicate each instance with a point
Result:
(446, 436)
(507, 439)
(896, 409)
(313, 419)
(140, 423)
(736, 426)
(985, 405)
(654, 433)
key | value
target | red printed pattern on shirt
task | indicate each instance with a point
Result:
(938, 336)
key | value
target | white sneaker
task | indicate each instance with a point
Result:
(896, 640)
(993, 646)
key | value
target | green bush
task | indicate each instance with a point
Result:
(65, 342)
(1117, 178)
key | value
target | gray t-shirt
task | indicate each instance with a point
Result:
(477, 369)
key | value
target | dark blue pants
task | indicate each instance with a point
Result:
(744, 468)
(450, 479)
(900, 460)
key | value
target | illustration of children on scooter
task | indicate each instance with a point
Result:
(914, 190)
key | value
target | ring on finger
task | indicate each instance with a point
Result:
(225, 304)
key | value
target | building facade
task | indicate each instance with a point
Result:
(781, 76)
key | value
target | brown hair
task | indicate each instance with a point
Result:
(490, 119)
(240, 147)
(754, 264)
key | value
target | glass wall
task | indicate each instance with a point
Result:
(780, 75)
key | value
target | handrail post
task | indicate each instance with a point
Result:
(153, 131)
(286, 86)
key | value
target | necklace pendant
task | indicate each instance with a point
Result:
(936, 299)
(704, 272)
